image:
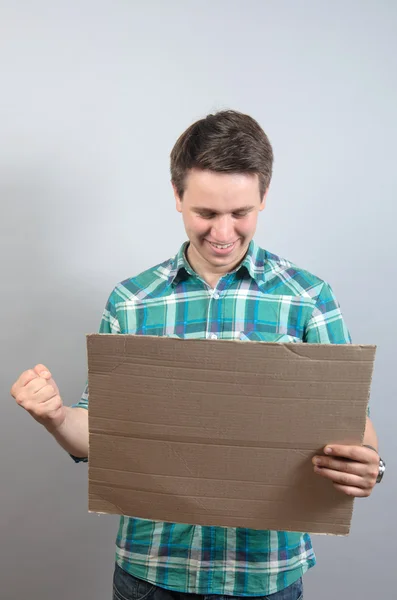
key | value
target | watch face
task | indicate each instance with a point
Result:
(382, 469)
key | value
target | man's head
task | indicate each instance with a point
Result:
(221, 168)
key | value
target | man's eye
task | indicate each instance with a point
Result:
(240, 215)
(206, 215)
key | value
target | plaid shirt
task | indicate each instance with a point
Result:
(266, 298)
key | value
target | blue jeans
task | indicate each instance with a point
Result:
(127, 587)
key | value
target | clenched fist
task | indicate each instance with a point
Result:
(37, 392)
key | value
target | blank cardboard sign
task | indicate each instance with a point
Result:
(222, 432)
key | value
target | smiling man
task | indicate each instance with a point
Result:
(220, 284)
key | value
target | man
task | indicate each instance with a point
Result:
(219, 285)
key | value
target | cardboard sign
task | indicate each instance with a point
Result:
(222, 432)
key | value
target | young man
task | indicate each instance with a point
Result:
(219, 285)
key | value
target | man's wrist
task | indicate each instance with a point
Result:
(382, 464)
(370, 447)
(56, 426)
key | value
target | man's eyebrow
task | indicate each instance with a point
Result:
(203, 209)
(244, 208)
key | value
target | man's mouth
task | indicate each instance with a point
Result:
(222, 246)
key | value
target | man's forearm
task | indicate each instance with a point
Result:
(370, 437)
(72, 435)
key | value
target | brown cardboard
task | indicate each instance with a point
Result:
(222, 432)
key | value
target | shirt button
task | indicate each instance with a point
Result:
(213, 336)
(215, 295)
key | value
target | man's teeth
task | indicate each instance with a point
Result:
(222, 246)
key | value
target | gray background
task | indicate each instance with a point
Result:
(93, 96)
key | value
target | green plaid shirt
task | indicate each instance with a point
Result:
(266, 298)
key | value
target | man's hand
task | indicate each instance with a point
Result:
(352, 469)
(38, 394)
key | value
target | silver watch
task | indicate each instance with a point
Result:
(382, 469)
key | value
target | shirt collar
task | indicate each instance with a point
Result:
(252, 263)
(180, 266)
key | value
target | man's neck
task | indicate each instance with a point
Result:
(207, 272)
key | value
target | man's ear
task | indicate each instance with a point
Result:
(178, 199)
(264, 198)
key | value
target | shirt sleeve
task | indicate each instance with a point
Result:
(326, 324)
(109, 324)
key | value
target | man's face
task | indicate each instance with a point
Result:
(220, 212)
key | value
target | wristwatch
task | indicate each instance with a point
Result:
(382, 464)
(382, 469)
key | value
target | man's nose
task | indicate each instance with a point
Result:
(222, 230)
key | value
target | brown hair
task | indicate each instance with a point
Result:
(226, 142)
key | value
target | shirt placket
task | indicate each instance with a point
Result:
(215, 309)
